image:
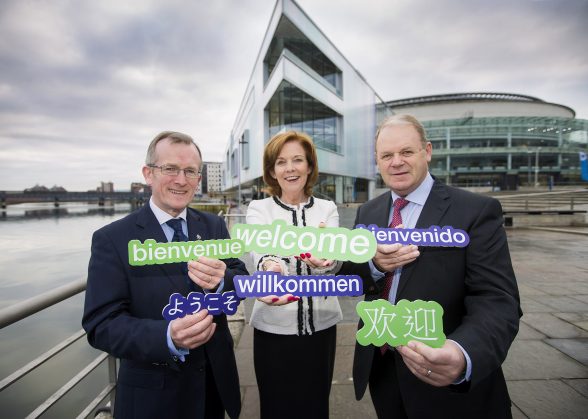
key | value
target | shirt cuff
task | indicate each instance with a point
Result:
(468, 372)
(180, 353)
(376, 274)
(220, 287)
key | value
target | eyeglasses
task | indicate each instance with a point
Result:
(174, 171)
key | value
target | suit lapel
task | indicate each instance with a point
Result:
(150, 228)
(435, 207)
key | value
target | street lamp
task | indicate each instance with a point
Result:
(537, 166)
(241, 141)
(528, 167)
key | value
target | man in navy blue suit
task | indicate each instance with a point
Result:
(185, 368)
(475, 285)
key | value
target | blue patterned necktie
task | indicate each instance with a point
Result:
(179, 236)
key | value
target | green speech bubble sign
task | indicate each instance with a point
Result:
(398, 324)
(278, 238)
(152, 253)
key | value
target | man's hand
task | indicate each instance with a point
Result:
(391, 256)
(207, 273)
(192, 330)
(438, 367)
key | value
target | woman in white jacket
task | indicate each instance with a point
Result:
(294, 338)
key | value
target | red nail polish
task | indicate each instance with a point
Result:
(274, 299)
(308, 255)
(302, 255)
(293, 298)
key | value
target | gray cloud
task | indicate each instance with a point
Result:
(85, 85)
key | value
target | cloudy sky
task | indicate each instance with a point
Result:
(85, 85)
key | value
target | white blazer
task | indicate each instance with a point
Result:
(283, 320)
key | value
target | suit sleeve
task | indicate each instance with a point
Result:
(492, 306)
(107, 320)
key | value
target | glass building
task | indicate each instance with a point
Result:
(301, 82)
(502, 140)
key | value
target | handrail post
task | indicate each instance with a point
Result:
(112, 378)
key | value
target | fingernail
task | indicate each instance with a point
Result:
(297, 257)
(274, 299)
(308, 255)
(293, 298)
(302, 255)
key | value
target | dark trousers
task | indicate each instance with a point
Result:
(294, 373)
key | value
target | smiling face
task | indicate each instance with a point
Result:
(291, 170)
(173, 193)
(402, 158)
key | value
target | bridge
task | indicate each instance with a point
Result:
(58, 197)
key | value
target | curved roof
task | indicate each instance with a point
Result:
(472, 96)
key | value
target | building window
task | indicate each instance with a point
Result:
(233, 165)
(288, 36)
(292, 109)
(244, 144)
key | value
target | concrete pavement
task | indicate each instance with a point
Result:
(547, 365)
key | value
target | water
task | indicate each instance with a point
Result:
(42, 248)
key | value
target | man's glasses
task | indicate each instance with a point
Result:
(174, 171)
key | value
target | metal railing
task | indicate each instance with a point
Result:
(23, 309)
(26, 308)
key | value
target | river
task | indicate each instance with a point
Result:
(42, 248)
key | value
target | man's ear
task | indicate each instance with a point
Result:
(148, 175)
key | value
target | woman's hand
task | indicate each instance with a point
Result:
(274, 300)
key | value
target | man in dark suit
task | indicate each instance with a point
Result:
(475, 285)
(185, 368)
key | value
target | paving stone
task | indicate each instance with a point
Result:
(576, 348)
(528, 332)
(343, 364)
(245, 366)
(346, 334)
(581, 297)
(580, 385)
(555, 289)
(536, 360)
(342, 404)
(552, 326)
(547, 399)
(529, 290)
(579, 319)
(561, 303)
(249, 403)
(516, 412)
(529, 305)
(246, 339)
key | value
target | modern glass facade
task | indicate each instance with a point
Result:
(292, 109)
(507, 152)
(288, 37)
(301, 82)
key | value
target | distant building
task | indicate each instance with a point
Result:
(211, 178)
(505, 140)
(105, 187)
(56, 188)
(138, 187)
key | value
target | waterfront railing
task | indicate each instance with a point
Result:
(26, 308)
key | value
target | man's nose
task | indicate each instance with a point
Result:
(396, 160)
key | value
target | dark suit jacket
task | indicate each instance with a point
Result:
(122, 316)
(477, 289)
